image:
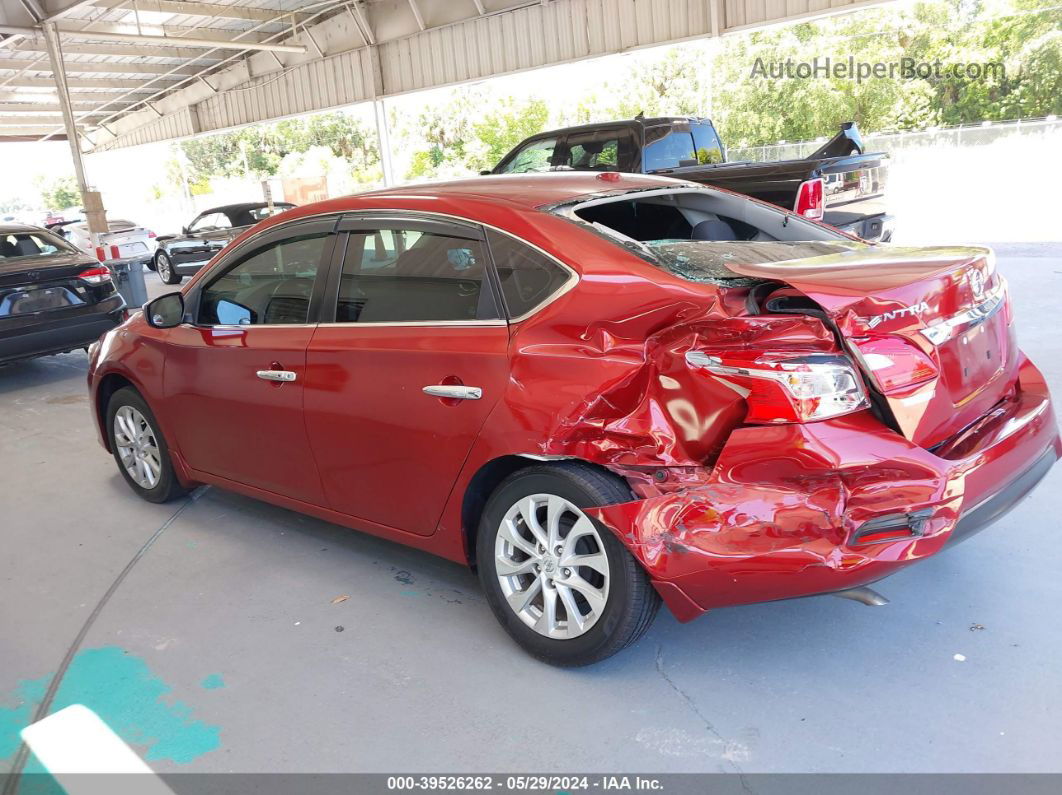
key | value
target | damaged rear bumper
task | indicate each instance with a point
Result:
(798, 510)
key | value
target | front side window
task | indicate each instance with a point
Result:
(407, 275)
(17, 245)
(536, 156)
(528, 278)
(204, 223)
(271, 286)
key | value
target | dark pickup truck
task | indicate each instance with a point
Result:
(837, 184)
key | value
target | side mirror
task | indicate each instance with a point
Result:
(185, 231)
(166, 311)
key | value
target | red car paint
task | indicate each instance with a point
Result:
(726, 512)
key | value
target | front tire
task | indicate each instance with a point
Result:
(139, 448)
(562, 585)
(165, 270)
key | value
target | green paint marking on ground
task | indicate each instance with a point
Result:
(122, 690)
(28, 694)
(213, 682)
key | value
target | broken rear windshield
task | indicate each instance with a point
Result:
(708, 261)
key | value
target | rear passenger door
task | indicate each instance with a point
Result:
(403, 370)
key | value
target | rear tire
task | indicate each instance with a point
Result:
(139, 448)
(580, 596)
(165, 270)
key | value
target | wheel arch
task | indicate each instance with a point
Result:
(490, 475)
(108, 385)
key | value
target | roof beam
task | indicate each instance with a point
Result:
(109, 67)
(229, 40)
(29, 133)
(30, 121)
(8, 105)
(361, 22)
(77, 5)
(416, 13)
(89, 99)
(121, 49)
(196, 9)
(84, 82)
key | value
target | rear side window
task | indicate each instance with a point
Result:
(18, 245)
(408, 275)
(600, 150)
(272, 286)
(706, 140)
(528, 277)
(669, 146)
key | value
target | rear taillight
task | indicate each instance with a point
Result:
(151, 234)
(893, 363)
(97, 275)
(809, 201)
(781, 388)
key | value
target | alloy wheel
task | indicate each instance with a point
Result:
(137, 446)
(552, 567)
(162, 265)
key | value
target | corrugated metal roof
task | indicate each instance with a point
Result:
(353, 50)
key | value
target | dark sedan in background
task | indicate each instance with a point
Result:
(53, 297)
(182, 255)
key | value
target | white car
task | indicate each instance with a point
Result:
(133, 242)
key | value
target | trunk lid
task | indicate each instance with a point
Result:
(45, 284)
(131, 242)
(898, 308)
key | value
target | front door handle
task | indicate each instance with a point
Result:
(276, 375)
(454, 391)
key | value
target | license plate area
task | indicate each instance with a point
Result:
(40, 299)
(972, 359)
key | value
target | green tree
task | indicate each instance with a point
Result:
(60, 193)
(259, 150)
(1022, 35)
(471, 131)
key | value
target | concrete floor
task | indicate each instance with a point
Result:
(225, 648)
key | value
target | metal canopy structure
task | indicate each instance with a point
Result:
(139, 71)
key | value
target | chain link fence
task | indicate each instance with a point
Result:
(950, 137)
(984, 183)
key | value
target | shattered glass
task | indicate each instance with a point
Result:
(708, 262)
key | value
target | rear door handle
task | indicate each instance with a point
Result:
(454, 391)
(276, 375)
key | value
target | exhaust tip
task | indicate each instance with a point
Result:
(864, 595)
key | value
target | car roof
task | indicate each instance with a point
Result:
(520, 192)
(243, 206)
(637, 121)
(8, 228)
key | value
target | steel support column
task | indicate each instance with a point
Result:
(383, 140)
(89, 198)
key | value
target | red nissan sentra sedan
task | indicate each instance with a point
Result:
(601, 390)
